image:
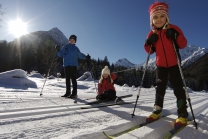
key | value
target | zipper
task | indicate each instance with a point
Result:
(163, 48)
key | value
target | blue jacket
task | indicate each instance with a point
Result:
(70, 54)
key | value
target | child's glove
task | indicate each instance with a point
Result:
(171, 33)
(152, 38)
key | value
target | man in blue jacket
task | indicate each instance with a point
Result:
(70, 54)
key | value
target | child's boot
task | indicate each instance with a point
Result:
(182, 118)
(180, 122)
(118, 100)
(157, 111)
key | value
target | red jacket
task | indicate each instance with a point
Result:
(165, 53)
(105, 85)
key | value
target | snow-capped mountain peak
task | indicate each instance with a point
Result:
(124, 62)
(35, 38)
(189, 54)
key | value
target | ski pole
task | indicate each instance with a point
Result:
(47, 74)
(93, 77)
(89, 65)
(142, 81)
(184, 83)
(94, 81)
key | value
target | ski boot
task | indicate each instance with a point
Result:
(66, 95)
(118, 100)
(157, 112)
(72, 96)
(180, 122)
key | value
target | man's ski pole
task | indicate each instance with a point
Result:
(142, 81)
(184, 83)
(89, 64)
(47, 74)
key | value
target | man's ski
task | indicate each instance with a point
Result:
(129, 130)
(174, 131)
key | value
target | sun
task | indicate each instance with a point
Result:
(17, 27)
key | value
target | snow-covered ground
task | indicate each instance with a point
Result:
(26, 114)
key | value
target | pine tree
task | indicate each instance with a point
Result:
(3, 56)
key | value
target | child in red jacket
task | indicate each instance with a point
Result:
(106, 89)
(160, 40)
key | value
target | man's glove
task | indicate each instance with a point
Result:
(152, 38)
(171, 33)
(88, 59)
(57, 47)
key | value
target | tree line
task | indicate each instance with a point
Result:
(39, 58)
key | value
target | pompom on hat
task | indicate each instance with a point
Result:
(158, 7)
(106, 70)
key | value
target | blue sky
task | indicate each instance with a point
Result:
(113, 28)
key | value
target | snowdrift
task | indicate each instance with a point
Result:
(86, 77)
(16, 77)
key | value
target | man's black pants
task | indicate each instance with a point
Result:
(70, 73)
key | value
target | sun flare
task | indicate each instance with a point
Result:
(17, 27)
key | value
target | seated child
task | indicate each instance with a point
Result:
(106, 89)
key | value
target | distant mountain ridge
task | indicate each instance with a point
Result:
(35, 38)
(124, 62)
(201, 71)
(189, 55)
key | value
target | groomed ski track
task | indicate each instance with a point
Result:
(89, 120)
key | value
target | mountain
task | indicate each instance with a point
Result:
(124, 62)
(189, 55)
(201, 71)
(38, 37)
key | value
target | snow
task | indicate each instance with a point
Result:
(26, 114)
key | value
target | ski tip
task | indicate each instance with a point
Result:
(110, 137)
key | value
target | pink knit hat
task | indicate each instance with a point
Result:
(158, 7)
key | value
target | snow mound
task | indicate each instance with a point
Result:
(85, 77)
(16, 77)
(125, 85)
(51, 77)
(189, 90)
(17, 73)
(36, 75)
